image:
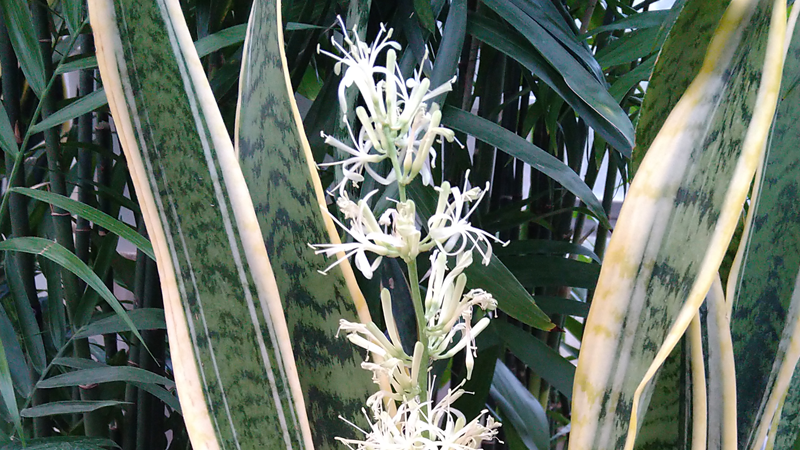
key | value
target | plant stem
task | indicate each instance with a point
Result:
(419, 312)
(20, 157)
(62, 220)
(18, 208)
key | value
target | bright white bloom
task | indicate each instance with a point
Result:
(367, 234)
(397, 121)
(394, 235)
(424, 426)
(359, 160)
(448, 310)
(449, 227)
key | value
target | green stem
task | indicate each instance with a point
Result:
(20, 157)
(18, 210)
(419, 312)
(62, 220)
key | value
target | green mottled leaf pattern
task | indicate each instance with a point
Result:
(679, 220)
(227, 333)
(677, 64)
(281, 177)
(769, 268)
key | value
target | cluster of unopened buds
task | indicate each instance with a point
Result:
(398, 124)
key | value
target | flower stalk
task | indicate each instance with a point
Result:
(399, 123)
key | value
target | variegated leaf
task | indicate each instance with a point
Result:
(676, 223)
(290, 202)
(228, 339)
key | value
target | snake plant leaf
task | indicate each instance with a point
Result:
(760, 318)
(677, 65)
(286, 191)
(676, 223)
(228, 339)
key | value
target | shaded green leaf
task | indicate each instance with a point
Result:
(8, 141)
(17, 363)
(425, 14)
(142, 318)
(98, 217)
(534, 353)
(590, 102)
(68, 407)
(516, 146)
(64, 258)
(104, 375)
(26, 45)
(642, 20)
(7, 391)
(79, 107)
(521, 408)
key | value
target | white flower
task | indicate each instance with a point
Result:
(397, 121)
(360, 158)
(448, 311)
(449, 227)
(367, 234)
(424, 426)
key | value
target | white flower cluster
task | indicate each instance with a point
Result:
(424, 426)
(398, 125)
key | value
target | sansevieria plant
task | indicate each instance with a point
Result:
(450, 150)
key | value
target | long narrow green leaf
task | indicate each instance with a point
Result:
(7, 391)
(580, 80)
(23, 38)
(288, 195)
(760, 319)
(229, 343)
(104, 375)
(518, 147)
(8, 142)
(675, 225)
(523, 410)
(142, 318)
(543, 360)
(66, 259)
(30, 331)
(63, 443)
(629, 48)
(513, 298)
(83, 105)
(603, 119)
(68, 407)
(642, 20)
(98, 217)
(17, 363)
